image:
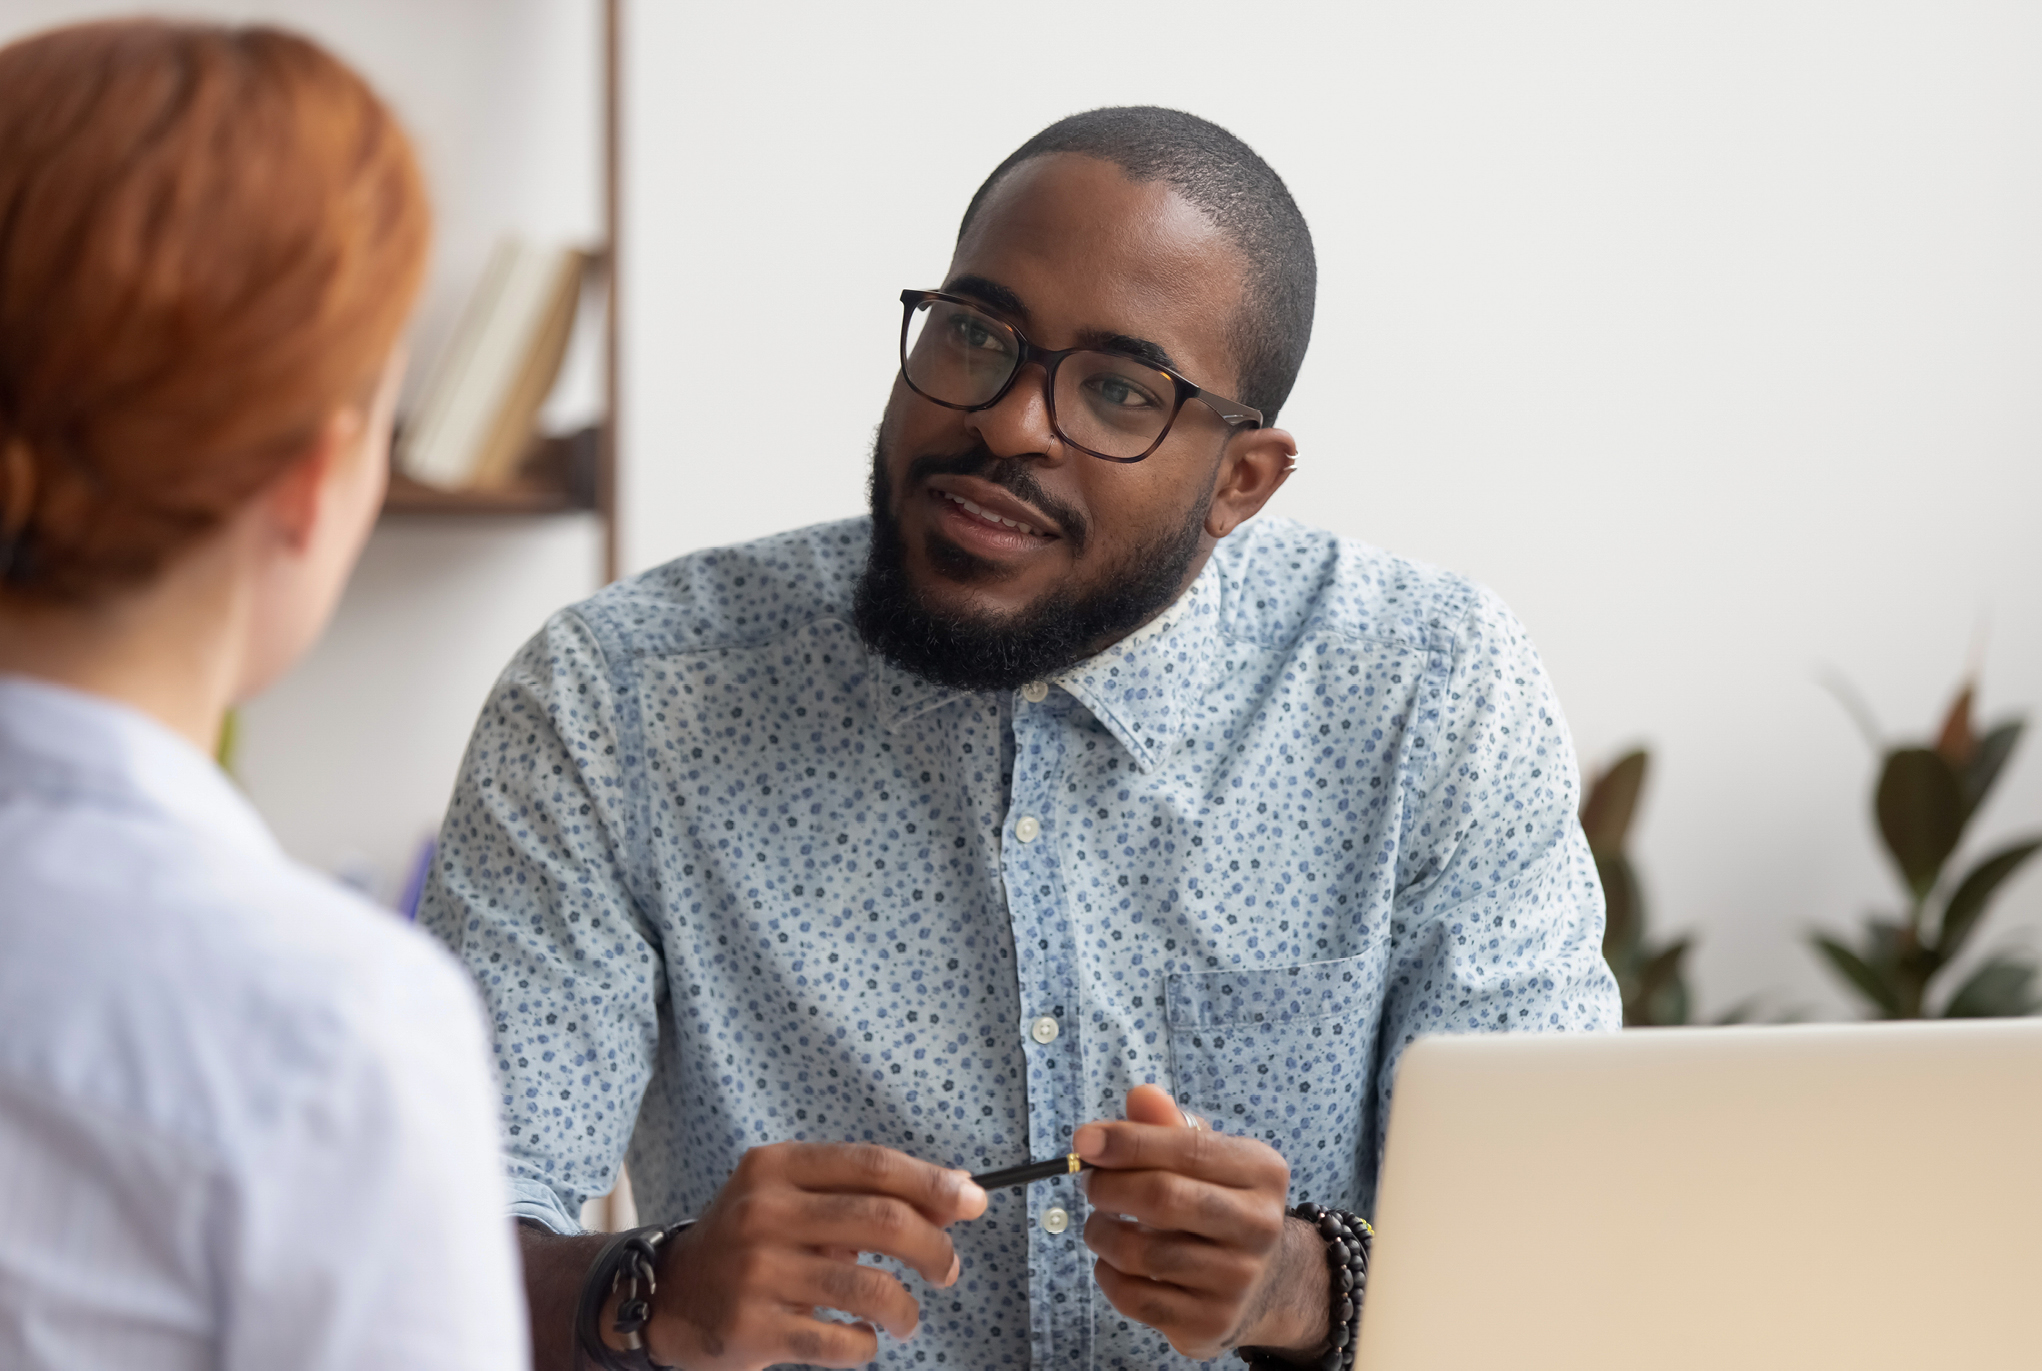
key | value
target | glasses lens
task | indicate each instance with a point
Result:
(957, 355)
(1111, 404)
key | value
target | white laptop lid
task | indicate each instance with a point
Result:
(1852, 1196)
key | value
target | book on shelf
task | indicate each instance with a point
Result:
(476, 416)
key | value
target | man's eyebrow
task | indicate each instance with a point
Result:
(1141, 349)
(1007, 302)
(989, 292)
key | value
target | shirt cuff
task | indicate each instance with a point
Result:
(537, 1202)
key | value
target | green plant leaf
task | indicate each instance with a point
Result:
(1612, 801)
(1921, 814)
(1664, 965)
(1623, 913)
(1668, 1007)
(1967, 906)
(2002, 988)
(1978, 775)
(1868, 982)
(1956, 741)
(1659, 997)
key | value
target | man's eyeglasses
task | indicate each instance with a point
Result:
(1104, 403)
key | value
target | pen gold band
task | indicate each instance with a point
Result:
(1075, 1163)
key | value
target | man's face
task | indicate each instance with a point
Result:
(1071, 253)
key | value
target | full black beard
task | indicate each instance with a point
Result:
(1002, 652)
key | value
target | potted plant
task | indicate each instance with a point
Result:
(1648, 975)
(1925, 798)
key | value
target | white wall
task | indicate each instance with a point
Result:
(1707, 333)
(351, 758)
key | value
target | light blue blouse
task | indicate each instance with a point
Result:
(245, 1118)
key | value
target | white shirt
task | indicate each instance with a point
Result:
(246, 1120)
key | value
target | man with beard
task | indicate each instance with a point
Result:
(1054, 808)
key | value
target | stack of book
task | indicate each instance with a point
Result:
(475, 422)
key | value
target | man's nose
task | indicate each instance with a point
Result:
(1019, 426)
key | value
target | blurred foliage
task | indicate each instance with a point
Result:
(228, 749)
(1650, 976)
(1924, 800)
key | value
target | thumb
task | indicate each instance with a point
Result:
(1152, 1104)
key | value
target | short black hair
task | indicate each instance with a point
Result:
(1244, 196)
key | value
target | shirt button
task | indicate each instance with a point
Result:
(1055, 1220)
(1043, 1030)
(1027, 829)
(1035, 692)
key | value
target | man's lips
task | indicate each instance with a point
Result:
(983, 502)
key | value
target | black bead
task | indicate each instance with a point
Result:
(1329, 1226)
(1346, 1279)
(1331, 1361)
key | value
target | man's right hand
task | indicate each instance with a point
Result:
(740, 1289)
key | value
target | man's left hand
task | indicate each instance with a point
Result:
(1191, 1236)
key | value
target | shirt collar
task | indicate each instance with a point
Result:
(84, 745)
(1144, 687)
(1141, 688)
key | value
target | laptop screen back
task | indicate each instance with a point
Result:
(1861, 1196)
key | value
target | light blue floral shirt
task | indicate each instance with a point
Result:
(727, 879)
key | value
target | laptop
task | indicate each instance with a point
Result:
(1860, 1196)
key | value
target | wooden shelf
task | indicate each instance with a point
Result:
(570, 473)
(407, 497)
(558, 475)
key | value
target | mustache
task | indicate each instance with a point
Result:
(1012, 474)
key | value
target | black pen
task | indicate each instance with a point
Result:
(1031, 1171)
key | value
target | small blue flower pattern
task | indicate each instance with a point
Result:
(726, 879)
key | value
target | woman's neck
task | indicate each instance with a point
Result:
(172, 650)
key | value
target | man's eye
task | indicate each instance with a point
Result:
(975, 334)
(1122, 393)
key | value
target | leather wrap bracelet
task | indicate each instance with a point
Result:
(627, 1262)
(1348, 1240)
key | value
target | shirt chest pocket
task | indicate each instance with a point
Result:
(1283, 1055)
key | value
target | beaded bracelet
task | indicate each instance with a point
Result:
(1348, 1240)
(625, 1261)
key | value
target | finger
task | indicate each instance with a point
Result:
(1221, 1158)
(821, 1342)
(944, 1196)
(1195, 1323)
(1180, 1259)
(1171, 1202)
(875, 1223)
(1152, 1104)
(860, 1291)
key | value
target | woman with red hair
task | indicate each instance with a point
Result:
(245, 1119)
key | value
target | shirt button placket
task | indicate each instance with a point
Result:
(1053, 1057)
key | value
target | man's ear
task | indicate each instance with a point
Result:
(1256, 463)
(293, 499)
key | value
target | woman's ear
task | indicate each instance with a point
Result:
(1255, 465)
(294, 500)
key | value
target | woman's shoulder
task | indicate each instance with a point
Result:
(207, 991)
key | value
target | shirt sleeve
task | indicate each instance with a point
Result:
(1497, 923)
(530, 889)
(364, 1227)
